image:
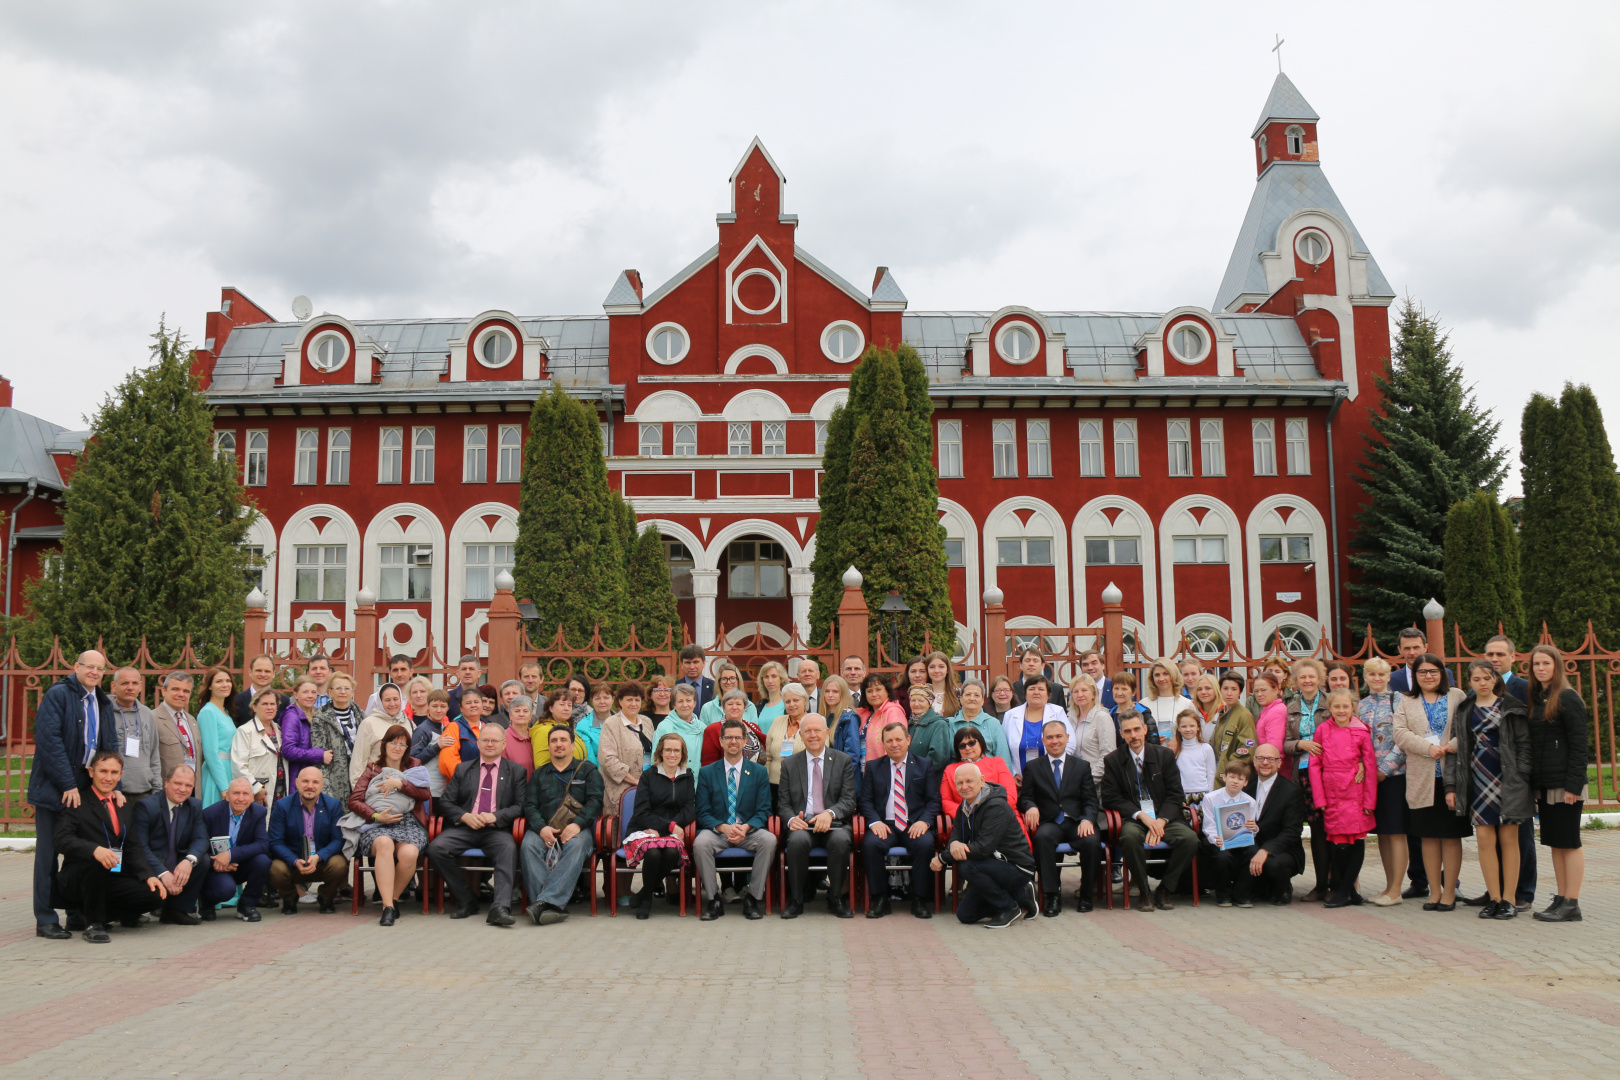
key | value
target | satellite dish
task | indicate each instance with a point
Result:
(301, 308)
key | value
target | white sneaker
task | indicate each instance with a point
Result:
(307, 898)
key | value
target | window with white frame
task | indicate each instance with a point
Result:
(307, 456)
(1276, 549)
(954, 553)
(390, 450)
(224, 444)
(1299, 449)
(1004, 443)
(821, 436)
(1265, 448)
(1038, 448)
(1212, 444)
(1034, 551)
(422, 440)
(484, 564)
(1113, 551)
(950, 447)
(739, 439)
(511, 462)
(773, 438)
(605, 433)
(1205, 642)
(652, 440)
(758, 568)
(1296, 140)
(1091, 448)
(1180, 447)
(475, 455)
(337, 455)
(255, 567)
(686, 440)
(256, 468)
(1125, 460)
(405, 572)
(678, 557)
(320, 572)
(1199, 549)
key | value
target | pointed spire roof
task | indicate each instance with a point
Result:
(623, 293)
(887, 290)
(1285, 103)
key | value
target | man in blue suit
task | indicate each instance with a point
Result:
(692, 674)
(168, 826)
(306, 844)
(899, 815)
(75, 719)
(733, 806)
(246, 862)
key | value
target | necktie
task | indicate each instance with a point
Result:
(486, 791)
(731, 794)
(816, 805)
(172, 853)
(185, 736)
(1057, 782)
(91, 727)
(898, 786)
(112, 813)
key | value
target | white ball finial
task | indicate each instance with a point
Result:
(255, 599)
(365, 598)
(852, 578)
(1112, 595)
(993, 595)
(1433, 611)
(504, 582)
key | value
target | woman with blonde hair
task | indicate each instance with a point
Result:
(1161, 696)
(1094, 734)
(415, 694)
(1377, 711)
(1205, 693)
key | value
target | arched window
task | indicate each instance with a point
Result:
(257, 468)
(1296, 140)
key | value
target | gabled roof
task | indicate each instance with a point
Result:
(1283, 189)
(25, 448)
(1285, 103)
(623, 293)
(829, 273)
(680, 276)
(888, 290)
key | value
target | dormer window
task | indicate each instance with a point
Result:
(1312, 246)
(328, 352)
(1262, 141)
(1016, 343)
(495, 347)
(1296, 140)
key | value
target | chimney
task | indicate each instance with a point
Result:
(5, 392)
(877, 277)
(635, 281)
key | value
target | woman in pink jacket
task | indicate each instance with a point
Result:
(1344, 786)
(1271, 721)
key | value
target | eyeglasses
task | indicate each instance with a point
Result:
(1273, 759)
(1428, 671)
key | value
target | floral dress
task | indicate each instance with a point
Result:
(1485, 796)
(1377, 711)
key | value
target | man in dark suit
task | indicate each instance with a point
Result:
(103, 877)
(75, 719)
(1278, 854)
(479, 805)
(1142, 783)
(1059, 804)
(1091, 662)
(815, 802)
(169, 829)
(1413, 644)
(1032, 664)
(306, 844)
(899, 814)
(733, 808)
(243, 824)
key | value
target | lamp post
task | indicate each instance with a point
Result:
(894, 614)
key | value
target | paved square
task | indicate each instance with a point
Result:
(1363, 993)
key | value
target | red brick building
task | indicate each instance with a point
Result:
(1199, 458)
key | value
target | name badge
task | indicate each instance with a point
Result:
(118, 853)
(132, 745)
(1149, 809)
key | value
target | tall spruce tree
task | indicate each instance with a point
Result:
(1431, 446)
(570, 560)
(833, 554)
(154, 525)
(1482, 572)
(652, 599)
(1570, 523)
(891, 522)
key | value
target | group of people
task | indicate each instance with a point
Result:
(1202, 776)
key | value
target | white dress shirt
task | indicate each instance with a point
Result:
(1261, 790)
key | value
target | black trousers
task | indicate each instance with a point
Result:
(656, 865)
(1048, 835)
(251, 875)
(875, 854)
(797, 846)
(102, 896)
(186, 898)
(1232, 876)
(994, 886)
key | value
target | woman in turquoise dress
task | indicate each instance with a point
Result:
(218, 729)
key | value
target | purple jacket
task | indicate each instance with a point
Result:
(296, 745)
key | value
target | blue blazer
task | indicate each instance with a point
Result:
(287, 828)
(59, 748)
(1517, 687)
(150, 829)
(922, 790)
(753, 795)
(704, 687)
(1400, 679)
(252, 836)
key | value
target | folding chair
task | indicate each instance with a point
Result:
(736, 859)
(1068, 858)
(898, 851)
(1158, 854)
(368, 866)
(627, 810)
(519, 827)
(816, 853)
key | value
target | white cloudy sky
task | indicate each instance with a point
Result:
(412, 158)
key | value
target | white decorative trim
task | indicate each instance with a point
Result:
(260, 533)
(1267, 628)
(1349, 280)
(1193, 621)
(842, 324)
(1327, 242)
(1035, 337)
(1155, 344)
(736, 287)
(709, 557)
(315, 343)
(968, 532)
(745, 632)
(1203, 341)
(665, 407)
(531, 347)
(340, 529)
(826, 403)
(781, 179)
(469, 632)
(484, 335)
(1060, 558)
(778, 361)
(1234, 543)
(756, 405)
(469, 528)
(732, 277)
(377, 532)
(686, 342)
(1256, 525)
(318, 619)
(292, 354)
(407, 617)
(979, 344)
(1147, 635)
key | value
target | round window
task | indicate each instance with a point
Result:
(1188, 343)
(667, 343)
(495, 347)
(1017, 343)
(842, 342)
(1313, 247)
(329, 352)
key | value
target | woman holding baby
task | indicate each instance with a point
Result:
(394, 809)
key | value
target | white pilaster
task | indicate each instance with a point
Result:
(705, 587)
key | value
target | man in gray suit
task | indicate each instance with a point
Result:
(179, 737)
(815, 802)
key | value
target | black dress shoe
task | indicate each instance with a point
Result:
(751, 908)
(465, 911)
(1145, 903)
(1085, 904)
(75, 921)
(644, 912)
(248, 913)
(1161, 899)
(130, 922)
(715, 909)
(1505, 910)
(1482, 900)
(793, 910)
(840, 908)
(179, 918)
(1431, 905)
(1336, 902)
(1282, 899)
(879, 909)
(206, 913)
(1487, 910)
(1053, 906)
(499, 916)
(389, 915)
(96, 934)
(53, 931)
(920, 908)
(1413, 892)
(326, 907)
(290, 907)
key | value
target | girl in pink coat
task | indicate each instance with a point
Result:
(1271, 717)
(1344, 786)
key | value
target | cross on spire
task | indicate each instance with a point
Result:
(1277, 48)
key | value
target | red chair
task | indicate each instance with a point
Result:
(775, 825)
(627, 809)
(899, 851)
(1156, 853)
(519, 827)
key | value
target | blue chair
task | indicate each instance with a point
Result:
(903, 854)
(627, 810)
(519, 827)
(1069, 858)
(729, 860)
(818, 860)
(1159, 853)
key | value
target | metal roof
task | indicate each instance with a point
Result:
(1285, 188)
(25, 448)
(888, 290)
(1285, 103)
(622, 292)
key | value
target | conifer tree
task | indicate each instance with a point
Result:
(154, 525)
(652, 598)
(833, 554)
(1482, 572)
(569, 558)
(1431, 446)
